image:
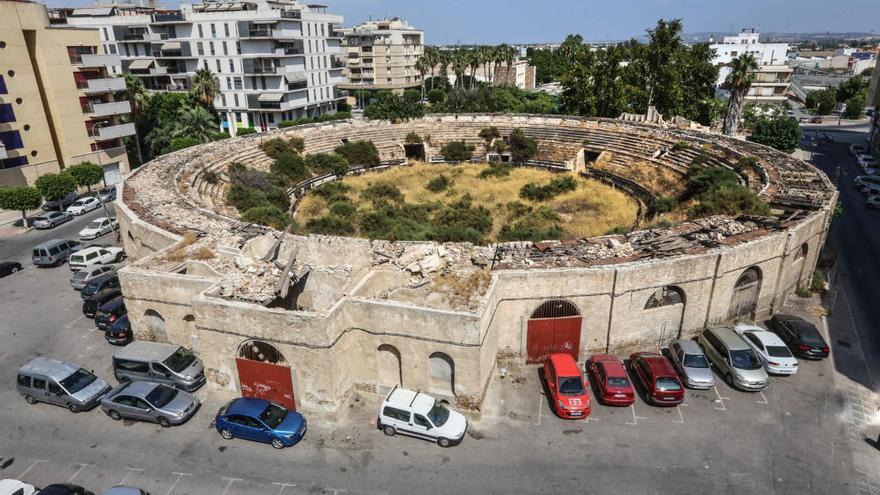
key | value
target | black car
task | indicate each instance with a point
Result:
(64, 489)
(8, 268)
(107, 281)
(109, 312)
(120, 332)
(801, 336)
(91, 305)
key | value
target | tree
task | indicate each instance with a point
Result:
(852, 87)
(54, 187)
(195, 122)
(522, 147)
(182, 142)
(822, 102)
(457, 151)
(269, 216)
(20, 198)
(780, 132)
(359, 153)
(869, 72)
(855, 106)
(136, 95)
(86, 174)
(389, 106)
(421, 66)
(158, 140)
(289, 167)
(206, 87)
(742, 73)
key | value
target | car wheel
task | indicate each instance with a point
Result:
(119, 257)
(227, 434)
(728, 378)
(73, 408)
(389, 430)
(30, 400)
(114, 415)
(443, 442)
(14, 269)
(51, 225)
(277, 443)
(163, 422)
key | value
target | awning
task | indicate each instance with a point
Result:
(99, 11)
(272, 97)
(141, 64)
(295, 77)
(170, 45)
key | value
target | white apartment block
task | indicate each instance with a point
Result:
(382, 55)
(275, 60)
(773, 77)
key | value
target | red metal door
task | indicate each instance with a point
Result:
(549, 335)
(266, 381)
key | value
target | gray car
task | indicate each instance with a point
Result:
(57, 382)
(734, 359)
(148, 401)
(691, 363)
(82, 278)
(50, 219)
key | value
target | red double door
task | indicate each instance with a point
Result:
(268, 381)
(551, 335)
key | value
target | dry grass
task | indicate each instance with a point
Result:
(592, 209)
(203, 253)
(180, 252)
(659, 180)
(459, 290)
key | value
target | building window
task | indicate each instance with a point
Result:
(200, 48)
(231, 66)
(235, 99)
(223, 99)
(211, 47)
(112, 49)
(218, 65)
(213, 31)
(238, 83)
(3, 89)
(11, 140)
(201, 33)
(106, 36)
(7, 114)
(226, 29)
(225, 49)
(13, 162)
(228, 83)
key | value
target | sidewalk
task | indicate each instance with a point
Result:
(8, 219)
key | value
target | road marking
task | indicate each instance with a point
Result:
(127, 474)
(680, 417)
(283, 486)
(26, 471)
(763, 398)
(71, 323)
(229, 483)
(720, 400)
(179, 476)
(79, 470)
(89, 332)
(335, 491)
(636, 419)
(540, 408)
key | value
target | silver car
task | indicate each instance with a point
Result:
(734, 359)
(148, 401)
(691, 363)
(50, 219)
(82, 278)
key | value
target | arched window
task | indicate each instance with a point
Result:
(556, 308)
(748, 277)
(155, 324)
(442, 373)
(665, 296)
(257, 350)
(802, 252)
(388, 368)
(189, 318)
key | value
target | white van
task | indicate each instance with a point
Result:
(420, 415)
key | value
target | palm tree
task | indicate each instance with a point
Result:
(510, 56)
(498, 54)
(459, 66)
(421, 65)
(485, 53)
(206, 86)
(742, 73)
(196, 122)
(473, 62)
(159, 139)
(431, 58)
(137, 97)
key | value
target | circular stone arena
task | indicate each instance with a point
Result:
(311, 320)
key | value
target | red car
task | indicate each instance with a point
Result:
(815, 120)
(567, 387)
(612, 380)
(659, 379)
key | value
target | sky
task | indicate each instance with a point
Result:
(521, 21)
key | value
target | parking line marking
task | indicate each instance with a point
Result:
(680, 417)
(283, 486)
(79, 470)
(89, 332)
(71, 323)
(26, 471)
(720, 400)
(127, 474)
(179, 476)
(763, 398)
(229, 484)
(635, 418)
(540, 408)
(335, 491)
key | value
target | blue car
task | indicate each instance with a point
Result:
(261, 421)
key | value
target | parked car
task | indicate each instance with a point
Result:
(92, 303)
(106, 281)
(54, 252)
(51, 219)
(873, 202)
(9, 267)
(658, 378)
(826, 137)
(866, 162)
(774, 354)
(15, 487)
(64, 489)
(98, 227)
(422, 416)
(691, 363)
(816, 120)
(801, 336)
(108, 194)
(82, 278)
(57, 382)
(614, 388)
(109, 312)
(261, 421)
(161, 363)
(866, 180)
(568, 392)
(147, 401)
(95, 255)
(60, 204)
(733, 359)
(857, 149)
(84, 205)
(124, 490)
(119, 332)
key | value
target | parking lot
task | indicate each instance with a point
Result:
(795, 437)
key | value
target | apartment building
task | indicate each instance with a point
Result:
(58, 103)
(382, 55)
(874, 101)
(275, 60)
(773, 77)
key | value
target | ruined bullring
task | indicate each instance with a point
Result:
(310, 320)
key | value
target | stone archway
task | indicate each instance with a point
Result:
(155, 325)
(441, 369)
(263, 373)
(744, 300)
(555, 326)
(388, 366)
(666, 306)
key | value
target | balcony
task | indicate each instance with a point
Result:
(98, 60)
(115, 131)
(104, 85)
(291, 14)
(95, 110)
(287, 51)
(140, 37)
(336, 35)
(260, 69)
(158, 71)
(169, 17)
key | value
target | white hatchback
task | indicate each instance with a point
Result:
(420, 415)
(775, 355)
(84, 205)
(98, 227)
(15, 487)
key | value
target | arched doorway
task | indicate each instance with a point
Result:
(555, 326)
(388, 369)
(666, 305)
(744, 301)
(155, 324)
(263, 373)
(441, 371)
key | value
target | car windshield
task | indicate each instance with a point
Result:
(180, 360)
(93, 225)
(778, 351)
(273, 415)
(745, 359)
(40, 219)
(161, 395)
(667, 384)
(78, 381)
(80, 275)
(810, 336)
(79, 202)
(618, 382)
(438, 414)
(695, 361)
(571, 385)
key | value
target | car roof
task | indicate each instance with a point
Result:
(689, 346)
(611, 363)
(88, 250)
(766, 338)
(52, 368)
(104, 294)
(113, 303)
(658, 363)
(122, 490)
(417, 401)
(143, 350)
(138, 388)
(729, 337)
(564, 364)
(50, 243)
(6, 486)
(247, 405)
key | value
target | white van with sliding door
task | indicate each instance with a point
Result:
(420, 415)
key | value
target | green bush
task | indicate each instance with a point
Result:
(413, 138)
(55, 186)
(619, 230)
(327, 163)
(780, 132)
(489, 133)
(377, 191)
(665, 204)
(388, 106)
(412, 95)
(248, 177)
(267, 215)
(457, 151)
(244, 198)
(732, 201)
(436, 96)
(462, 214)
(21, 198)
(331, 225)
(276, 146)
(289, 168)
(745, 163)
(277, 197)
(183, 142)
(245, 131)
(681, 145)
(219, 136)
(439, 183)
(343, 209)
(555, 187)
(496, 170)
(330, 190)
(499, 147)
(522, 147)
(86, 174)
(531, 224)
(359, 153)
